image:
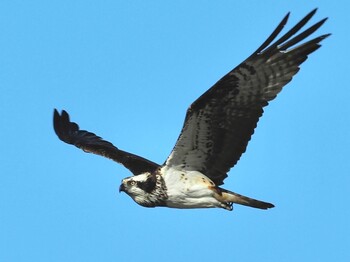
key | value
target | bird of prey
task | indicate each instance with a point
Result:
(216, 131)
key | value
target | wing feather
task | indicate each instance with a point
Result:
(220, 123)
(70, 133)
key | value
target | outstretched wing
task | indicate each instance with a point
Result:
(220, 123)
(70, 133)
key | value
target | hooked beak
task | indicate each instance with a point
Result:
(122, 188)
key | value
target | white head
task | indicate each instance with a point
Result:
(141, 188)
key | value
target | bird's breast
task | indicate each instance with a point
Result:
(188, 189)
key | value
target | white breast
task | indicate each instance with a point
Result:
(188, 189)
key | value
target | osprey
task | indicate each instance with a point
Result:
(216, 131)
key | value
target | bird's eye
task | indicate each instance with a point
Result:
(132, 183)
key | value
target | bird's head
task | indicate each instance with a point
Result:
(140, 188)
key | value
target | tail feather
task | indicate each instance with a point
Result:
(232, 197)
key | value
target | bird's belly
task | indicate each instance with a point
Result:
(183, 201)
(189, 189)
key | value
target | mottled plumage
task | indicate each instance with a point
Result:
(216, 131)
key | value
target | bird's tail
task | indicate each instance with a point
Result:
(232, 197)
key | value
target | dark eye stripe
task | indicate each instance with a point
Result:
(148, 185)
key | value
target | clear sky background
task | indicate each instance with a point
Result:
(128, 70)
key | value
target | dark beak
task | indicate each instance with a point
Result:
(122, 188)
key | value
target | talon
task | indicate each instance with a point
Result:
(227, 205)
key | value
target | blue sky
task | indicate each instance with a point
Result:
(128, 70)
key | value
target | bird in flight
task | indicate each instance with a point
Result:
(216, 130)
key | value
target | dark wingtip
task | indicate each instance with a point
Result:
(285, 20)
(56, 114)
(56, 117)
(311, 14)
(62, 126)
(313, 11)
(322, 22)
(326, 35)
(322, 37)
(286, 16)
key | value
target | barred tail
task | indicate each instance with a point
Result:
(232, 197)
